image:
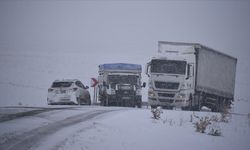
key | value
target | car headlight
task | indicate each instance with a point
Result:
(151, 94)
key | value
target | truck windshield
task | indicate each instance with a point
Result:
(123, 79)
(168, 66)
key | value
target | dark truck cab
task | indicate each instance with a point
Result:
(119, 84)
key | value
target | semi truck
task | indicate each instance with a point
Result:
(189, 76)
(119, 84)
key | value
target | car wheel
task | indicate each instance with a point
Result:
(78, 101)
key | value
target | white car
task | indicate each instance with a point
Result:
(68, 91)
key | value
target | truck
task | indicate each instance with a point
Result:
(119, 84)
(189, 76)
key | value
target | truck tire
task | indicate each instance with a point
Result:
(168, 107)
(191, 102)
(139, 105)
(189, 107)
(102, 98)
(153, 106)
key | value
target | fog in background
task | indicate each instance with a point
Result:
(44, 41)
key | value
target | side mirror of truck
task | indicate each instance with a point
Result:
(189, 71)
(144, 84)
(147, 69)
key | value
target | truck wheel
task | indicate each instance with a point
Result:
(139, 105)
(168, 107)
(102, 99)
(153, 106)
(103, 102)
(190, 107)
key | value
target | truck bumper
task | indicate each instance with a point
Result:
(124, 100)
(154, 101)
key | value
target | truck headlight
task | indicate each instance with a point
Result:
(151, 94)
(110, 91)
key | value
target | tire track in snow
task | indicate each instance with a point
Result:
(37, 110)
(32, 138)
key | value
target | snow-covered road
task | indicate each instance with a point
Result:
(25, 128)
(112, 128)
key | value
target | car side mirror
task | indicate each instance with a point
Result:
(86, 87)
(144, 84)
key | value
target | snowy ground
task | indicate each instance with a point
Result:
(93, 128)
(136, 129)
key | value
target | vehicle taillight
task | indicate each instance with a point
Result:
(50, 90)
(74, 89)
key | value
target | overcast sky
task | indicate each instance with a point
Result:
(122, 29)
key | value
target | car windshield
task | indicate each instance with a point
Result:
(168, 66)
(61, 84)
(123, 79)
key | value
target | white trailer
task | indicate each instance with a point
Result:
(191, 75)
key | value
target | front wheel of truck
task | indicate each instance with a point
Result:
(189, 107)
(139, 105)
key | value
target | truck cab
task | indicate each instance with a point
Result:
(170, 82)
(120, 85)
(171, 79)
(189, 76)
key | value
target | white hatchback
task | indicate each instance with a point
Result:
(68, 91)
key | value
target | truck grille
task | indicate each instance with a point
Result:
(166, 85)
(166, 100)
(126, 92)
(166, 94)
